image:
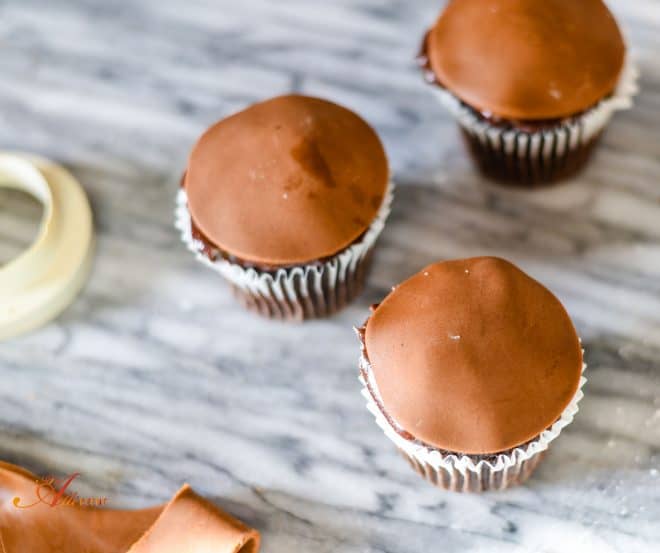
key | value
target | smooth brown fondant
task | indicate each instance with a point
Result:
(287, 181)
(473, 356)
(527, 59)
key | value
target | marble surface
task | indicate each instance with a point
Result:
(155, 376)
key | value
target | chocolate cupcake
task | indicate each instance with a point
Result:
(285, 200)
(532, 84)
(471, 368)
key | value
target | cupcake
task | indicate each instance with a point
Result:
(285, 200)
(532, 84)
(471, 368)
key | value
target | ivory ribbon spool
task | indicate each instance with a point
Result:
(43, 280)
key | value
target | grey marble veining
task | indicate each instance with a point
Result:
(155, 376)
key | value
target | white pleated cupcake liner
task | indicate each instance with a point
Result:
(467, 473)
(298, 292)
(546, 150)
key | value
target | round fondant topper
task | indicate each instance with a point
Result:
(473, 356)
(43, 280)
(525, 59)
(287, 181)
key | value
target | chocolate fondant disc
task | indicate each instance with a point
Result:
(473, 356)
(286, 181)
(527, 59)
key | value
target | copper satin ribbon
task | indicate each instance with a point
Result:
(187, 524)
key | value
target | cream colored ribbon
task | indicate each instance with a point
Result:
(43, 280)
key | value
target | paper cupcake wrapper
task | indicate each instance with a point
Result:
(546, 154)
(299, 292)
(468, 473)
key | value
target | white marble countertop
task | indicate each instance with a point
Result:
(155, 376)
